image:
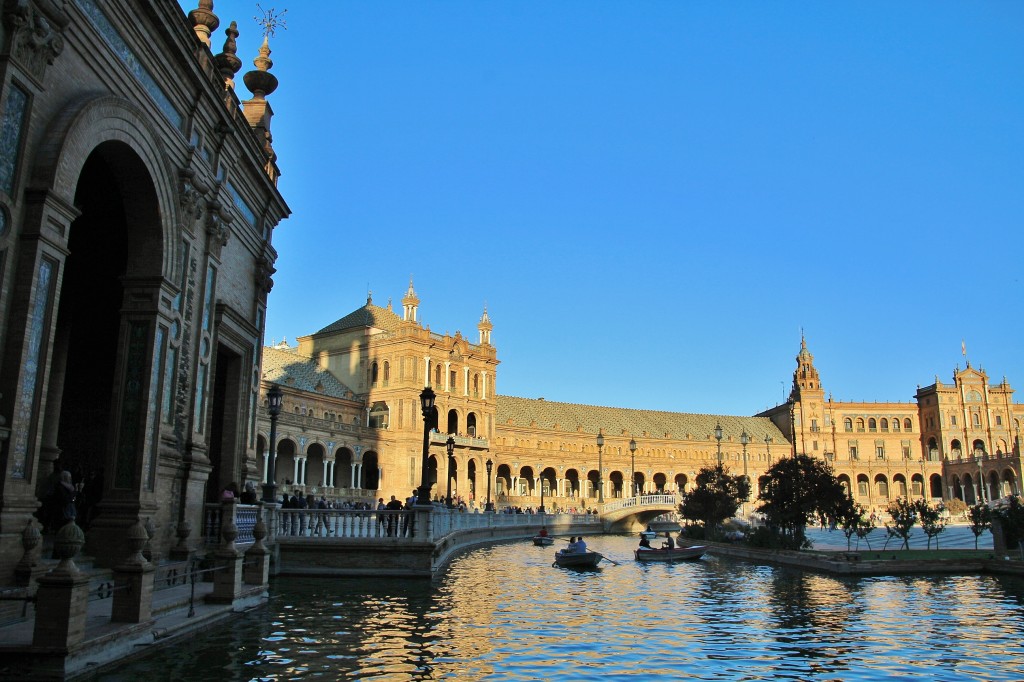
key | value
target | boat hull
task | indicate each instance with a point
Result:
(586, 559)
(669, 555)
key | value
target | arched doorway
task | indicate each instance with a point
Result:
(100, 360)
(371, 471)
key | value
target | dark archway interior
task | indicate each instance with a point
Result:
(88, 318)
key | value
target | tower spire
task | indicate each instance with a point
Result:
(410, 303)
(485, 328)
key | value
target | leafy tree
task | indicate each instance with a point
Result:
(854, 520)
(904, 516)
(931, 522)
(980, 517)
(716, 497)
(1010, 517)
(800, 488)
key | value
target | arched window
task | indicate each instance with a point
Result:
(387, 372)
(848, 424)
(374, 370)
(860, 424)
(979, 447)
(437, 376)
(882, 486)
(954, 448)
(884, 424)
(907, 426)
(896, 424)
(976, 418)
(872, 425)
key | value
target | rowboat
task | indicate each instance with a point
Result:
(675, 554)
(649, 534)
(586, 559)
(543, 540)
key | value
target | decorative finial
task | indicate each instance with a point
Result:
(227, 61)
(270, 21)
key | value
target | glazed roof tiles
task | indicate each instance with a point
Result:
(288, 368)
(369, 315)
(619, 421)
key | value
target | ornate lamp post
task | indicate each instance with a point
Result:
(718, 437)
(768, 448)
(274, 400)
(600, 471)
(490, 505)
(744, 439)
(450, 446)
(427, 398)
(632, 466)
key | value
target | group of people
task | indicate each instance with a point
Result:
(576, 545)
(669, 543)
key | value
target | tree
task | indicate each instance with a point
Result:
(904, 516)
(1010, 517)
(715, 498)
(854, 520)
(955, 507)
(931, 522)
(800, 488)
(980, 517)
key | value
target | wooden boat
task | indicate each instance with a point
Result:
(586, 559)
(543, 540)
(675, 554)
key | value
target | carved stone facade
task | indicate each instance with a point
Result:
(131, 248)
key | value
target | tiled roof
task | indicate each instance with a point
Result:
(615, 420)
(288, 368)
(369, 315)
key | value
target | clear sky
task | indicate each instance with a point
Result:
(654, 198)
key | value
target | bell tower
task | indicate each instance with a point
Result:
(807, 399)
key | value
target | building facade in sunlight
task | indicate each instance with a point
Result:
(352, 428)
(137, 203)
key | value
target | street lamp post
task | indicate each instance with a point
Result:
(768, 448)
(600, 471)
(744, 439)
(490, 505)
(274, 400)
(632, 466)
(718, 437)
(450, 446)
(427, 398)
(541, 481)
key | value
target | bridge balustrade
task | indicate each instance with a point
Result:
(361, 524)
(641, 501)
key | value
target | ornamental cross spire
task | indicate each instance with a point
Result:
(270, 21)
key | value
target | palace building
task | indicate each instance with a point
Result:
(351, 428)
(138, 199)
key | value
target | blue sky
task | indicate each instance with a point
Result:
(653, 198)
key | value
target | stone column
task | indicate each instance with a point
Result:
(352, 477)
(63, 595)
(133, 581)
(227, 582)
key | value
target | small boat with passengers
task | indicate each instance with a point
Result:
(666, 554)
(569, 559)
(543, 540)
(649, 534)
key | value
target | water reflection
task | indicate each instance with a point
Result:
(503, 613)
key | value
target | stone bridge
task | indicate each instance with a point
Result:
(417, 542)
(634, 513)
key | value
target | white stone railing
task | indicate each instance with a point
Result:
(355, 525)
(641, 501)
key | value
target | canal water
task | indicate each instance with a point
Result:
(505, 613)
